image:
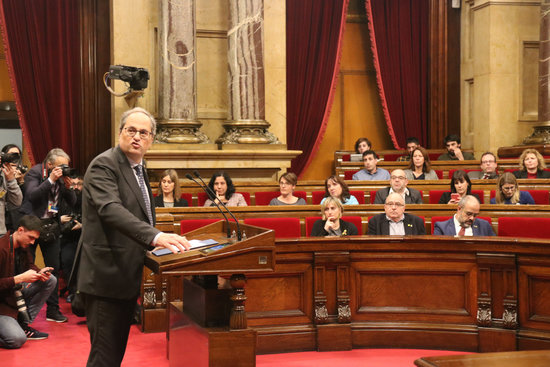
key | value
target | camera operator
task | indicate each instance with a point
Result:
(71, 228)
(46, 184)
(23, 287)
(11, 201)
(10, 192)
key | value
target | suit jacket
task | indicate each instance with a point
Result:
(37, 190)
(447, 228)
(478, 175)
(116, 232)
(159, 202)
(540, 174)
(414, 196)
(379, 225)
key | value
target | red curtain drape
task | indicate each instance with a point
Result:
(41, 38)
(313, 42)
(399, 31)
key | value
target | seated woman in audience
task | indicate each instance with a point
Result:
(336, 187)
(222, 185)
(419, 166)
(287, 184)
(170, 193)
(362, 145)
(460, 187)
(531, 165)
(331, 224)
(507, 191)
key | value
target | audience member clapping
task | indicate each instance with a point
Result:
(332, 224)
(336, 187)
(419, 167)
(460, 187)
(170, 192)
(287, 184)
(507, 191)
(531, 165)
(222, 185)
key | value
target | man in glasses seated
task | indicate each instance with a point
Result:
(394, 220)
(398, 184)
(464, 222)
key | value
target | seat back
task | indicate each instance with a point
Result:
(356, 220)
(188, 225)
(359, 195)
(316, 197)
(435, 195)
(188, 197)
(348, 175)
(264, 197)
(309, 224)
(524, 227)
(283, 227)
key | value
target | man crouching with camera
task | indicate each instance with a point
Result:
(23, 287)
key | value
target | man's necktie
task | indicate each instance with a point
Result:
(139, 171)
(485, 176)
(462, 231)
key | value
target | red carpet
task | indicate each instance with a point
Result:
(68, 345)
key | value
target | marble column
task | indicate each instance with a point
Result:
(177, 74)
(541, 133)
(246, 86)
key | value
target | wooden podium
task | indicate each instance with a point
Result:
(208, 325)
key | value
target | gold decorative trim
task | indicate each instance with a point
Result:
(504, 3)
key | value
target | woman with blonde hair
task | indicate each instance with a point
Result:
(169, 191)
(507, 191)
(531, 165)
(332, 224)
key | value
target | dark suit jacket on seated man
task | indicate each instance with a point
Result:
(465, 221)
(395, 221)
(398, 184)
(117, 230)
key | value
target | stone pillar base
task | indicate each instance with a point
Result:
(540, 135)
(247, 132)
(180, 132)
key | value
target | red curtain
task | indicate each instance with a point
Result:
(41, 38)
(313, 42)
(399, 31)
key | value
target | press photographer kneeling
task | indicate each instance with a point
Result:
(23, 287)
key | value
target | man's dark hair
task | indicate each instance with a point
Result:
(412, 139)
(452, 137)
(367, 152)
(30, 223)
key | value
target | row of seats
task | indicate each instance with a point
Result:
(291, 227)
(541, 197)
(348, 175)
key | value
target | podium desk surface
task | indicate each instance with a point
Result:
(538, 358)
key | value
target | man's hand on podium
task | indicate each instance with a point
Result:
(172, 242)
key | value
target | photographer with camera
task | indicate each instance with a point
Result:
(10, 192)
(71, 228)
(11, 156)
(46, 184)
(23, 287)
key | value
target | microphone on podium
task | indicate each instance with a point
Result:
(217, 206)
(212, 195)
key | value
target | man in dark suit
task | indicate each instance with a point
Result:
(395, 221)
(117, 230)
(464, 222)
(45, 187)
(398, 184)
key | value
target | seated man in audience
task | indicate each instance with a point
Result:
(23, 287)
(488, 168)
(371, 172)
(464, 222)
(454, 152)
(412, 144)
(398, 184)
(395, 221)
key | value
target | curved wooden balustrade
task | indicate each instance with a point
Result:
(470, 294)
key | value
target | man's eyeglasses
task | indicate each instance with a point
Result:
(131, 132)
(397, 205)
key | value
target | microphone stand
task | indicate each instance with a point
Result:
(212, 194)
